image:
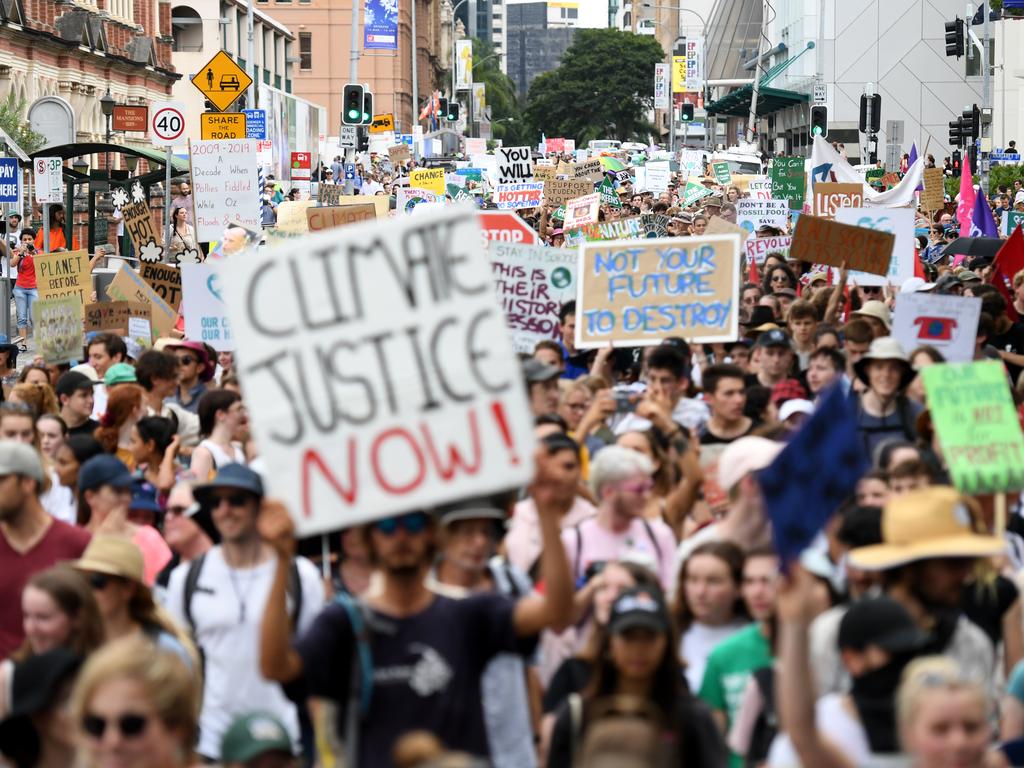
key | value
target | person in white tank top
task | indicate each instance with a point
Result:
(223, 421)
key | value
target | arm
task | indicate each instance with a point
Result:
(1013, 637)
(602, 406)
(278, 660)
(553, 492)
(832, 308)
(680, 502)
(202, 463)
(165, 475)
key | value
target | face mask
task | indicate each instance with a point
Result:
(874, 696)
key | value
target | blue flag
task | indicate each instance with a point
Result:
(813, 475)
(982, 223)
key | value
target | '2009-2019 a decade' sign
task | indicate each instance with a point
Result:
(378, 369)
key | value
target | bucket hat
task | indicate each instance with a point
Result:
(877, 310)
(885, 348)
(235, 476)
(114, 556)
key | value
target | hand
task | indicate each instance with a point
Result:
(276, 527)
(554, 484)
(689, 461)
(796, 600)
(657, 409)
(174, 446)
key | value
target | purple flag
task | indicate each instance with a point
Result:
(982, 223)
(911, 161)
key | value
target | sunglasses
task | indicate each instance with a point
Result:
(233, 500)
(129, 725)
(779, 279)
(181, 510)
(871, 288)
(99, 581)
(186, 360)
(414, 523)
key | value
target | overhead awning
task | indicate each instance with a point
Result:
(769, 101)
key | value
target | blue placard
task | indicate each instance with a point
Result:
(8, 179)
(255, 123)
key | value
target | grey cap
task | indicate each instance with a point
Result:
(469, 509)
(535, 371)
(20, 459)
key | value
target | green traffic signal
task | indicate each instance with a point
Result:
(817, 130)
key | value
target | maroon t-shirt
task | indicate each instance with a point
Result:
(61, 542)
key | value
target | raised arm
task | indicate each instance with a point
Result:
(278, 660)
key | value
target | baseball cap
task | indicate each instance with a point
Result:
(120, 373)
(101, 470)
(20, 459)
(795, 406)
(915, 285)
(14, 213)
(71, 382)
(880, 621)
(743, 456)
(144, 497)
(775, 337)
(640, 607)
(235, 476)
(534, 371)
(251, 735)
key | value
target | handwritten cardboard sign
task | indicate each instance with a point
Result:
(399, 154)
(165, 279)
(128, 285)
(532, 282)
(339, 215)
(384, 381)
(947, 323)
(979, 431)
(225, 180)
(57, 324)
(637, 292)
(138, 225)
(591, 169)
(63, 274)
(430, 179)
(758, 248)
(897, 221)
(820, 241)
(113, 315)
(512, 197)
(934, 195)
(830, 197)
(515, 164)
(543, 172)
(582, 210)
(789, 181)
(561, 191)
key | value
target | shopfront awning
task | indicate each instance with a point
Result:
(769, 100)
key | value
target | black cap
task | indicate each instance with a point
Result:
(774, 338)
(761, 315)
(639, 607)
(535, 371)
(71, 382)
(35, 685)
(880, 621)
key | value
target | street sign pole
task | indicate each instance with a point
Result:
(168, 221)
(986, 125)
(353, 76)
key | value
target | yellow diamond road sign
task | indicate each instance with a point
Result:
(221, 80)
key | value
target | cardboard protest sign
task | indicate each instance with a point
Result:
(138, 225)
(560, 191)
(751, 215)
(511, 197)
(165, 279)
(291, 217)
(615, 229)
(582, 210)
(980, 435)
(789, 182)
(591, 169)
(654, 224)
(57, 324)
(948, 323)
(543, 172)
(383, 381)
(203, 307)
(128, 285)
(328, 194)
(532, 283)
(830, 197)
(399, 154)
(890, 179)
(934, 195)
(113, 315)
(330, 217)
(637, 292)
(719, 226)
(407, 199)
(63, 274)
(515, 164)
(900, 222)
(760, 188)
(430, 179)
(225, 182)
(820, 241)
(723, 175)
(758, 248)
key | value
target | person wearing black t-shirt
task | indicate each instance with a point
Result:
(75, 392)
(726, 397)
(428, 651)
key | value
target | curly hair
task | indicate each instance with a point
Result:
(39, 397)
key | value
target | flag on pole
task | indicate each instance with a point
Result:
(911, 161)
(1009, 261)
(965, 208)
(982, 223)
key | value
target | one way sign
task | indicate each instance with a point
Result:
(347, 138)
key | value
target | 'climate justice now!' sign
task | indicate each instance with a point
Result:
(383, 380)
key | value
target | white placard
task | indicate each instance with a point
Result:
(658, 176)
(48, 181)
(532, 282)
(203, 307)
(515, 164)
(760, 188)
(898, 221)
(751, 215)
(225, 182)
(407, 198)
(948, 323)
(378, 372)
(512, 197)
(692, 161)
(582, 210)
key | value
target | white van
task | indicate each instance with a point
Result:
(603, 145)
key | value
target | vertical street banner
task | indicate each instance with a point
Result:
(463, 65)
(380, 25)
(637, 292)
(695, 64)
(678, 74)
(383, 381)
(661, 85)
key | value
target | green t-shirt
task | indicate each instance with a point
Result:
(729, 667)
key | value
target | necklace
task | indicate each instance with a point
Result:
(240, 595)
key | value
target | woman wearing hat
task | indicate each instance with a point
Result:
(196, 365)
(113, 566)
(884, 411)
(638, 660)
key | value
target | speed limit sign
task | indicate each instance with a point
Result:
(167, 123)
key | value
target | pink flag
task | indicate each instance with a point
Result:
(965, 208)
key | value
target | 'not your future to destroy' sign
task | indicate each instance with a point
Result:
(633, 292)
(383, 379)
(532, 283)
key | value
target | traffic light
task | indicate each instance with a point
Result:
(972, 123)
(955, 37)
(876, 113)
(687, 116)
(367, 107)
(957, 161)
(362, 140)
(442, 107)
(352, 104)
(453, 111)
(957, 132)
(819, 120)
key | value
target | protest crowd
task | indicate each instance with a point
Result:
(566, 458)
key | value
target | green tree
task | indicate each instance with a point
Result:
(506, 115)
(603, 88)
(14, 121)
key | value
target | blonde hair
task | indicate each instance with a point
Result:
(163, 676)
(931, 674)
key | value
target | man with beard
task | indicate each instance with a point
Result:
(409, 659)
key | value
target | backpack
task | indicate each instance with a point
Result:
(360, 689)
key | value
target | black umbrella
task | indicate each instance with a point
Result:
(974, 246)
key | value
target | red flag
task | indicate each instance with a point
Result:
(918, 266)
(1009, 261)
(754, 277)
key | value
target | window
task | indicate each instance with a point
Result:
(187, 29)
(305, 50)
(974, 64)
